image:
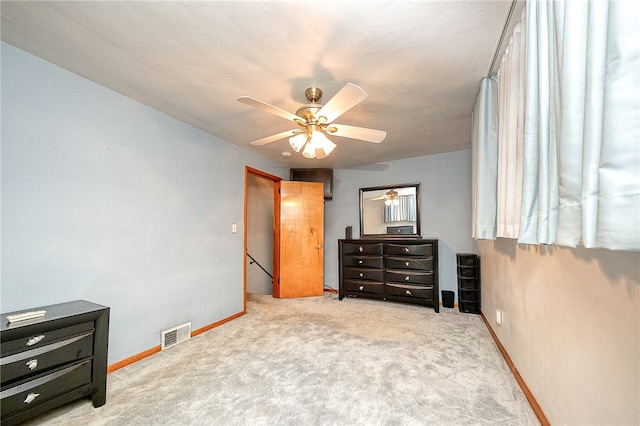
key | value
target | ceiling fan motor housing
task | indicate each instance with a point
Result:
(313, 95)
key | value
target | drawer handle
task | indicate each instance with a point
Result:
(406, 249)
(361, 275)
(361, 287)
(31, 397)
(35, 340)
(406, 263)
(360, 262)
(408, 292)
(32, 364)
(406, 278)
(361, 249)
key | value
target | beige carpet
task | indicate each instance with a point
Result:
(318, 361)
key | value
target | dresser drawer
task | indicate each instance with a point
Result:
(406, 276)
(39, 359)
(364, 274)
(44, 387)
(44, 338)
(363, 286)
(364, 261)
(362, 248)
(425, 250)
(421, 263)
(408, 290)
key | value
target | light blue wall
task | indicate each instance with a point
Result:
(108, 200)
(445, 206)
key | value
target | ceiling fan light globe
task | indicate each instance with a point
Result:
(309, 151)
(298, 141)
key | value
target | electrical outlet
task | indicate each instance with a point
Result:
(234, 228)
(499, 316)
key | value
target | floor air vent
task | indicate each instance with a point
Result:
(175, 335)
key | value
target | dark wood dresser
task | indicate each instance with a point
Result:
(50, 361)
(400, 270)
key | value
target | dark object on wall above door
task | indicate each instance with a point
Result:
(324, 176)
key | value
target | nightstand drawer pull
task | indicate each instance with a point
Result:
(408, 292)
(360, 262)
(361, 249)
(35, 340)
(407, 278)
(361, 287)
(406, 249)
(406, 263)
(361, 275)
(31, 397)
(32, 364)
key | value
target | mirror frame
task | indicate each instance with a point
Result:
(389, 187)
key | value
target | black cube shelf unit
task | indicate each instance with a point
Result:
(468, 283)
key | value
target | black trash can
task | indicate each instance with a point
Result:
(447, 298)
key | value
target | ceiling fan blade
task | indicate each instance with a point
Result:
(275, 137)
(381, 197)
(353, 132)
(248, 100)
(348, 97)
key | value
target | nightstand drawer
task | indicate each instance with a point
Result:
(425, 250)
(364, 261)
(408, 290)
(363, 286)
(41, 339)
(362, 248)
(39, 359)
(422, 263)
(407, 276)
(42, 388)
(364, 274)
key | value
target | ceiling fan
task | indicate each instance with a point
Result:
(315, 121)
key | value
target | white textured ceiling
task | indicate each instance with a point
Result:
(421, 63)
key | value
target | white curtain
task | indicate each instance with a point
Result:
(582, 124)
(484, 155)
(511, 99)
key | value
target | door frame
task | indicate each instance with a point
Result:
(276, 229)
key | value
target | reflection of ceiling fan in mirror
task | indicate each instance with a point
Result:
(315, 121)
(390, 197)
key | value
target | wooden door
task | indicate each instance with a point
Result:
(301, 259)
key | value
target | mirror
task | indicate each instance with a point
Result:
(390, 211)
